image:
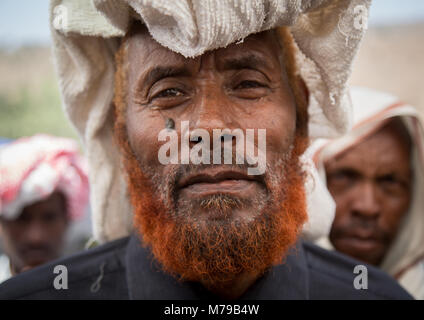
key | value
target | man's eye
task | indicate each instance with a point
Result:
(169, 93)
(388, 179)
(24, 219)
(49, 216)
(342, 179)
(249, 84)
(344, 175)
(390, 183)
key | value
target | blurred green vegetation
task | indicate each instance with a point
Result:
(29, 106)
(25, 113)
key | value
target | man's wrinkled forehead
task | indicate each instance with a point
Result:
(258, 50)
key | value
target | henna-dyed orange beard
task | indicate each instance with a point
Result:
(218, 249)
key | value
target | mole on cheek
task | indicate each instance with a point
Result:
(170, 124)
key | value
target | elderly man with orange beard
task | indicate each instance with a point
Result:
(203, 228)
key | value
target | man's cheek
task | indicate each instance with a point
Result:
(343, 216)
(143, 139)
(276, 146)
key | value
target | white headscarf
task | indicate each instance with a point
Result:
(32, 168)
(86, 35)
(405, 257)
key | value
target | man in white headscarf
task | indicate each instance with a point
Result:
(43, 187)
(375, 174)
(137, 73)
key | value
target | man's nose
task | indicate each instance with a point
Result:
(212, 111)
(366, 202)
(36, 233)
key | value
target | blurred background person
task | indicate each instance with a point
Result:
(43, 188)
(376, 176)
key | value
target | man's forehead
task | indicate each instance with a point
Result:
(391, 135)
(389, 144)
(142, 47)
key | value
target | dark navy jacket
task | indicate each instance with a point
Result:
(122, 269)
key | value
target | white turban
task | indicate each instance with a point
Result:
(86, 36)
(32, 168)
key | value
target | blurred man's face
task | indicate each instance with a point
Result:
(212, 221)
(37, 235)
(371, 184)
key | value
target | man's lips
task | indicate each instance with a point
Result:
(218, 181)
(360, 243)
(37, 256)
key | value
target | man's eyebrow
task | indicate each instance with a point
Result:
(250, 61)
(158, 73)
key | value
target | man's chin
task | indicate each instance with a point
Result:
(217, 251)
(224, 207)
(216, 216)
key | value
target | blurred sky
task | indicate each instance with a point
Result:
(26, 21)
